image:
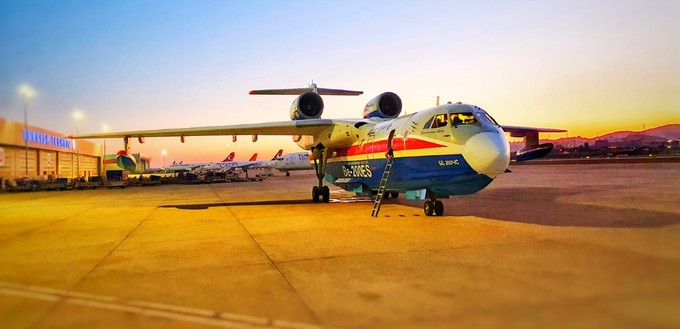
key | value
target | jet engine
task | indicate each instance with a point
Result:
(386, 105)
(125, 161)
(306, 106)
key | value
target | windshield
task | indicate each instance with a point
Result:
(463, 119)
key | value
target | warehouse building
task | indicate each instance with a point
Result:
(38, 153)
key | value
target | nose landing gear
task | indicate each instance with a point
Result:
(433, 206)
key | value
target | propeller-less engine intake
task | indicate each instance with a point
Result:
(386, 105)
(309, 105)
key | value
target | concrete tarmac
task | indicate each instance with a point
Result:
(570, 246)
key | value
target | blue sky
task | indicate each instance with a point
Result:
(587, 66)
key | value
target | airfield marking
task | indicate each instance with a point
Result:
(171, 312)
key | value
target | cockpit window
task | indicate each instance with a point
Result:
(463, 119)
(487, 119)
(439, 120)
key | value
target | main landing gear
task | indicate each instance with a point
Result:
(433, 206)
(320, 192)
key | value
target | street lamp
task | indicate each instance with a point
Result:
(164, 153)
(26, 92)
(77, 116)
(105, 128)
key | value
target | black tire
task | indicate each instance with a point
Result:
(428, 208)
(438, 208)
(325, 193)
(394, 195)
(287, 173)
(315, 194)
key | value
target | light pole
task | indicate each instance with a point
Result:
(164, 153)
(77, 116)
(105, 128)
(26, 92)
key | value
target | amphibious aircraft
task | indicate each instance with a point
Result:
(452, 149)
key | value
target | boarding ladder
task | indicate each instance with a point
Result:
(383, 185)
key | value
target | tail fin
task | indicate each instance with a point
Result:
(312, 87)
(278, 154)
(254, 157)
(229, 157)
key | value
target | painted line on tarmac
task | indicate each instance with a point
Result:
(171, 312)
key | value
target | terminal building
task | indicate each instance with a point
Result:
(38, 153)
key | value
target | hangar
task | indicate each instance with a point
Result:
(37, 153)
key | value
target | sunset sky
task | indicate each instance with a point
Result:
(587, 66)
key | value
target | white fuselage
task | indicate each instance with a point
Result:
(290, 162)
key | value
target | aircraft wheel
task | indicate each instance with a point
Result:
(394, 195)
(428, 207)
(325, 193)
(287, 173)
(315, 194)
(438, 208)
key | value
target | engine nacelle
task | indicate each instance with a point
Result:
(386, 105)
(534, 152)
(125, 161)
(306, 106)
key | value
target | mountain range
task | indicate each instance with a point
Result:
(648, 137)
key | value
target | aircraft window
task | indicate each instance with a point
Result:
(440, 120)
(492, 119)
(463, 119)
(487, 119)
(428, 123)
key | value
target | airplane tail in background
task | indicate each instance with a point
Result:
(229, 157)
(278, 154)
(253, 158)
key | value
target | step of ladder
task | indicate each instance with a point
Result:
(381, 188)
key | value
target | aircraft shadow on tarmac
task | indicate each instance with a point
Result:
(202, 206)
(541, 206)
(527, 205)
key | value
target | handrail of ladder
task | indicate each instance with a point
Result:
(381, 188)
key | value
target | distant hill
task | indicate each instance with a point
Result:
(671, 131)
(646, 137)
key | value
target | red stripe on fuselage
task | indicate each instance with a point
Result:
(381, 147)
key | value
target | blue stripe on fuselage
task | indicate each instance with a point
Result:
(442, 174)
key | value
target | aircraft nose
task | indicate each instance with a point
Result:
(488, 153)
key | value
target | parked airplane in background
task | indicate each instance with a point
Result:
(226, 166)
(188, 166)
(452, 149)
(290, 162)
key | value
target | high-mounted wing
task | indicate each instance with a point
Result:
(282, 128)
(532, 149)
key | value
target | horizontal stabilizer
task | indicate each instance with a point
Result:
(312, 87)
(339, 92)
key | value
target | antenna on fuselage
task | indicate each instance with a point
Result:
(437, 101)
